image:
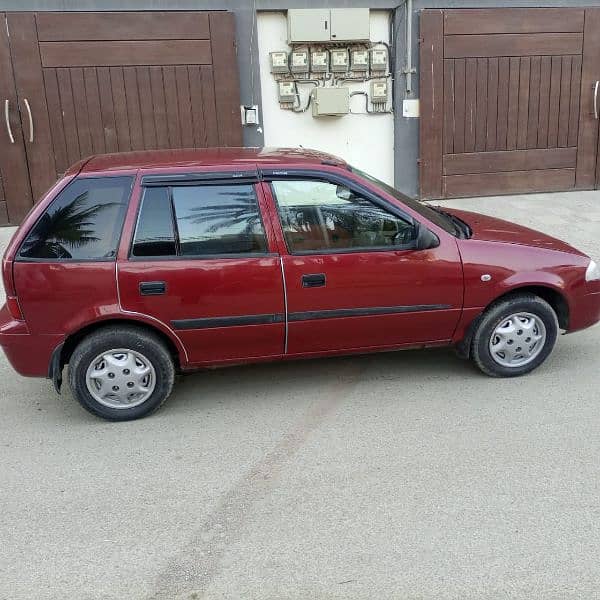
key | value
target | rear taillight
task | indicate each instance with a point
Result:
(12, 303)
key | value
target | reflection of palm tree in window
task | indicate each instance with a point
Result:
(68, 227)
(241, 208)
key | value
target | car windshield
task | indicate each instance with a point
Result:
(439, 218)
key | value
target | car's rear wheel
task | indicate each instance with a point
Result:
(514, 336)
(121, 373)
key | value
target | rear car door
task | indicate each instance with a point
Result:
(201, 261)
(352, 280)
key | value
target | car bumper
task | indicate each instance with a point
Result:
(28, 354)
(585, 311)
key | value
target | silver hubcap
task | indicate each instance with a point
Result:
(518, 339)
(121, 378)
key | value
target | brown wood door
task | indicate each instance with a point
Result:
(117, 82)
(15, 191)
(588, 165)
(500, 94)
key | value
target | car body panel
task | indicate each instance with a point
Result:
(436, 294)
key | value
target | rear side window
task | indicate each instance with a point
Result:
(83, 222)
(155, 233)
(199, 221)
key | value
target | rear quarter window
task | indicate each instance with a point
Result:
(83, 222)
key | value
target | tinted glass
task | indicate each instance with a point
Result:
(218, 219)
(155, 235)
(435, 217)
(83, 222)
(316, 215)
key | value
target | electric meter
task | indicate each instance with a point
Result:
(339, 61)
(279, 62)
(319, 61)
(299, 61)
(359, 60)
(287, 91)
(379, 60)
(379, 92)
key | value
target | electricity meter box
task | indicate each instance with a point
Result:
(319, 61)
(306, 25)
(359, 60)
(379, 92)
(330, 101)
(279, 62)
(287, 92)
(379, 59)
(299, 61)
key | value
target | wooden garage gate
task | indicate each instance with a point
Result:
(507, 101)
(77, 84)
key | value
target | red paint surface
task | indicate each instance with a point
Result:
(58, 299)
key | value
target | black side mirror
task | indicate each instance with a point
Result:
(425, 239)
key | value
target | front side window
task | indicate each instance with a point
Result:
(200, 220)
(83, 222)
(318, 215)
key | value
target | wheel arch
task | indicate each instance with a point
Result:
(64, 351)
(551, 295)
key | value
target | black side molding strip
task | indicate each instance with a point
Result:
(364, 312)
(209, 322)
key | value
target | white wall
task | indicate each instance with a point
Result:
(365, 141)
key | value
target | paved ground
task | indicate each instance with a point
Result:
(405, 476)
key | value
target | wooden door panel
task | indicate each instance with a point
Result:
(15, 191)
(587, 142)
(118, 82)
(510, 93)
(29, 82)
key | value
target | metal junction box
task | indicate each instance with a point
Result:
(330, 101)
(349, 24)
(307, 25)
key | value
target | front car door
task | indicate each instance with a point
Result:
(351, 280)
(201, 262)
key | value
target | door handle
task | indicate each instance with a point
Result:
(30, 116)
(11, 137)
(313, 280)
(596, 99)
(153, 288)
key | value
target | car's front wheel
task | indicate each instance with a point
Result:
(514, 336)
(121, 373)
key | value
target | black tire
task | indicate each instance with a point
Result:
(493, 317)
(126, 337)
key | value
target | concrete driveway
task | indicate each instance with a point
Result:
(407, 476)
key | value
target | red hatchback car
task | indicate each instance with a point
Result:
(137, 266)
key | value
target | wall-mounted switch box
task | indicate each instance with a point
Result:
(379, 92)
(319, 61)
(359, 60)
(330, 101)
(249, 115)
(299, 61)
(279, 62)
(287, 92)
(379, 59)
(410, 107)
(339, 60)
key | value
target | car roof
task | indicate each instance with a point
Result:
(207, 157)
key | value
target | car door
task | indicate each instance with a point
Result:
(201, 262)
(352, 278)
